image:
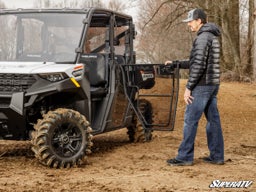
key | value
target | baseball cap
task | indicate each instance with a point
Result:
(196, 14)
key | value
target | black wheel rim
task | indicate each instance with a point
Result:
(67, 140)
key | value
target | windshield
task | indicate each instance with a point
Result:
(47, 37)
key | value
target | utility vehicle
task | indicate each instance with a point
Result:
(69, 74)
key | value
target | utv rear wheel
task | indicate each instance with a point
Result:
(136, 132)
(62, 139)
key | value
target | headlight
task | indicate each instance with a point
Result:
(78, 73)
(54, 77)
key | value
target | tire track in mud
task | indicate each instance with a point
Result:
(15, 148)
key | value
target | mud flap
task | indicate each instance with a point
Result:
(17, 102)
(12, 118)
(12, 125)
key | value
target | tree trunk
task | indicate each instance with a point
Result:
(230, 35)
(254, 41)
(248, 68)
(224, 13)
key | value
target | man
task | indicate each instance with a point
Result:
(201, 91)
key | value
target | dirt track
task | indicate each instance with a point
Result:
(119, 166)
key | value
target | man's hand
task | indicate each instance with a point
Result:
(187, 97)
(168, 62)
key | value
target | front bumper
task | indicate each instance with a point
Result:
(16, 108)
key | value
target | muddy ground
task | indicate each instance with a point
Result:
(119, 166)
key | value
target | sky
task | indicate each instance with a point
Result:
(18, 3)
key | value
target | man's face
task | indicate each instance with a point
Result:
(195, 25)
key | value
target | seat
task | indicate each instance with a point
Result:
(97, 72)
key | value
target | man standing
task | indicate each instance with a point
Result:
(201, 91)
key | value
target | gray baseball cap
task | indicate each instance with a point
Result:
(195, 14)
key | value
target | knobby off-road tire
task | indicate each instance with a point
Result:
(136, 132)
(62, 139)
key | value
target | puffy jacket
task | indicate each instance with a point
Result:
(203, 64)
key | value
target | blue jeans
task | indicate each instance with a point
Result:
(205, 101)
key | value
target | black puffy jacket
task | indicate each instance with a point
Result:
(203, 64)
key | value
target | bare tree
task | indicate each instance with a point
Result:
(248, 65)
(161, 34)
(230, 31)
(254, 41)
(163, 17)
(117, 5)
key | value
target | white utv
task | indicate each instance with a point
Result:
(69, 74)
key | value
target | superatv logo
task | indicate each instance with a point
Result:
(146, 76)
(228, 184)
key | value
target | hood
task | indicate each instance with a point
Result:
(32, 67)
(209, 27)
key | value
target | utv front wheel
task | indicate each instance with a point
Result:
(62, 138)
(136, 132)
